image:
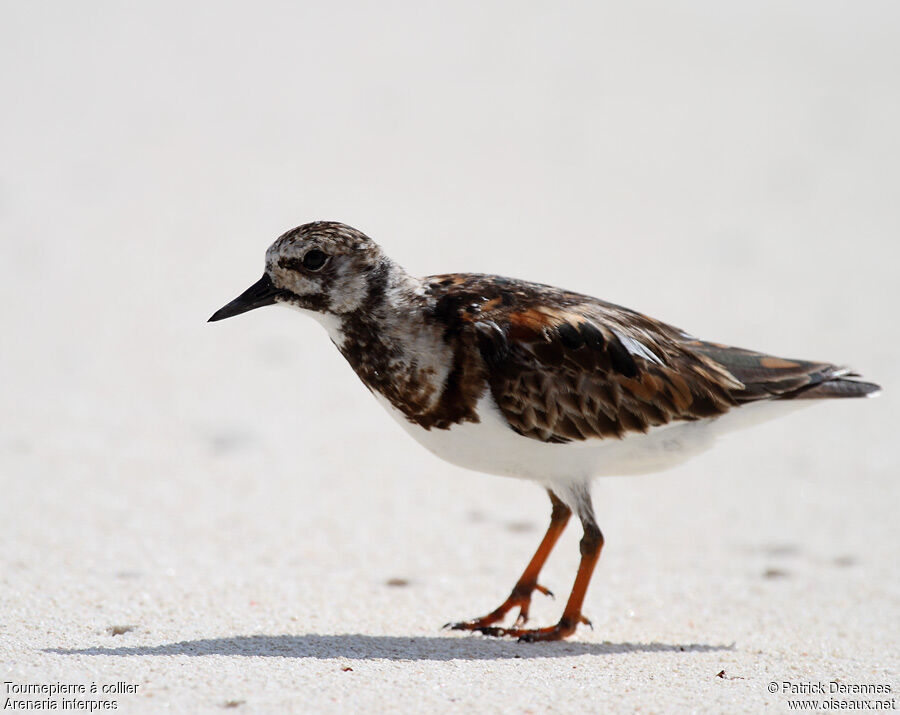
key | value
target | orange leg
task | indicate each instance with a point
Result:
(520, 597)
(591, 545)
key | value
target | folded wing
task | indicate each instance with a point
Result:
(566, 367)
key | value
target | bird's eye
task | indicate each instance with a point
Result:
(314, 260)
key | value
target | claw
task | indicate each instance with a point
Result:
(586, 621)
(462, 626)
(543, 589)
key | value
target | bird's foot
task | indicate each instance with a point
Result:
(561, 630)
(519, 598)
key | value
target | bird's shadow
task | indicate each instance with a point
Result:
(355, 646)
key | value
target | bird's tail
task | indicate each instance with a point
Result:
(766, 377)
(839, 386)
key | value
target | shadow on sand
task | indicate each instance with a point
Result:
(362, 647)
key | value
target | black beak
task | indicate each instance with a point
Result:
(261, 293)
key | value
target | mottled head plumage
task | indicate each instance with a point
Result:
(323, 266)
(336, 237)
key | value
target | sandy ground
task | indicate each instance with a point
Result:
(221, 517)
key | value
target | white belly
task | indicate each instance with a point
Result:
(492, 446)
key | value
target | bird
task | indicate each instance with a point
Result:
(526, 380)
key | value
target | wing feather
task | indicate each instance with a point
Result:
(566, 367)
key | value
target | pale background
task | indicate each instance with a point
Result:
(233, 493)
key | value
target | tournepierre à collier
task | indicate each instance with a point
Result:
(525, 380)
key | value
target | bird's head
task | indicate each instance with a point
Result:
(325, 267)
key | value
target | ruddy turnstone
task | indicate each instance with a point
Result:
(526, 380)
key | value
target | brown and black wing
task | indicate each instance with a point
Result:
(563, 375)
(565, 367)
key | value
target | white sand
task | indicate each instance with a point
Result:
(230, 496)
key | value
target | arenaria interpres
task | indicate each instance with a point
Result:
(526, 380)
